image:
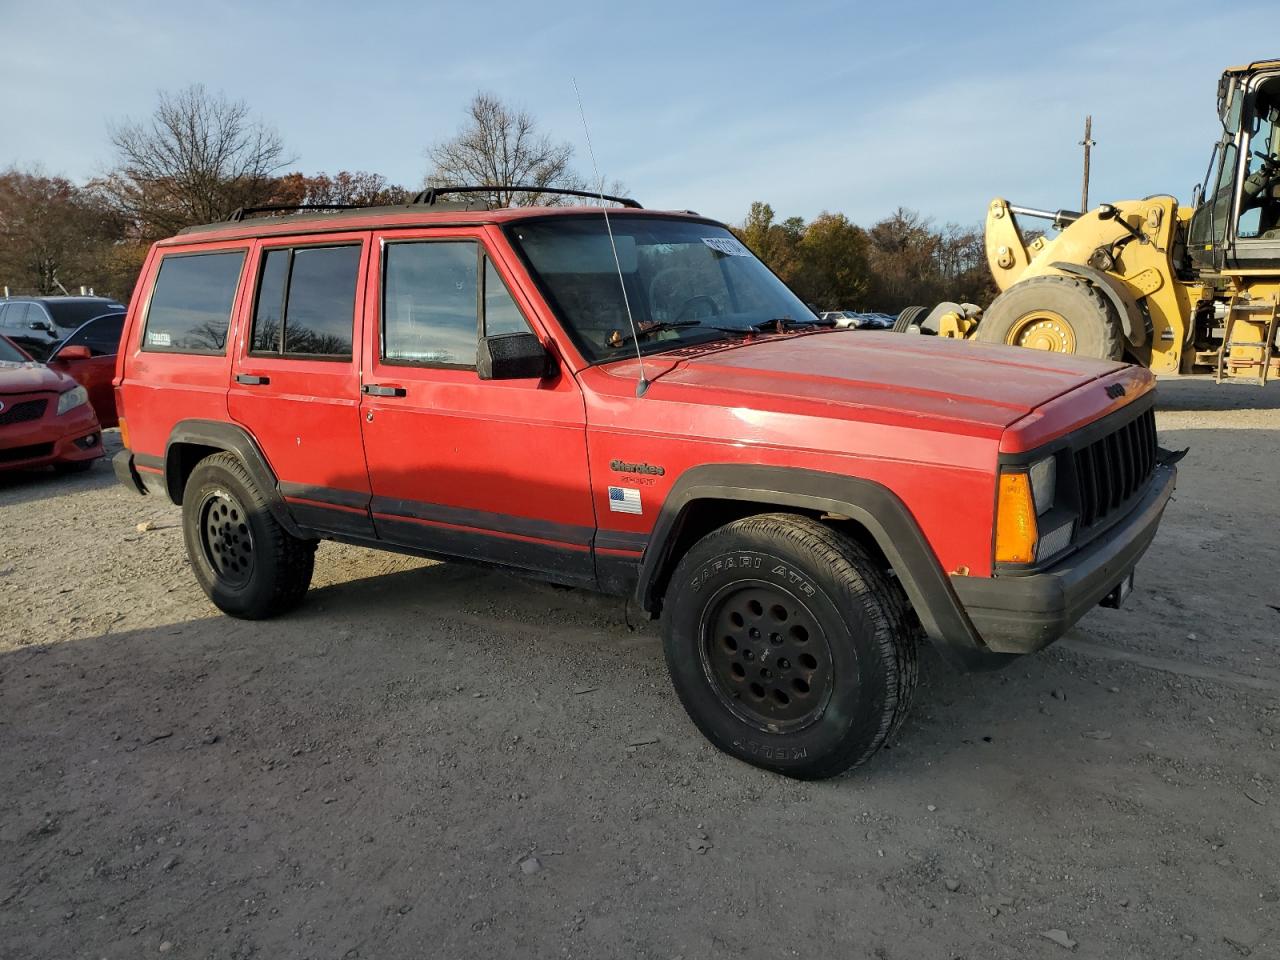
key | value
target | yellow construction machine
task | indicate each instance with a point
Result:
(1178, 289)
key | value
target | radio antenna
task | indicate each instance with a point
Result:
(643, 383)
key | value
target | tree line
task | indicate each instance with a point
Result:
(200, 155)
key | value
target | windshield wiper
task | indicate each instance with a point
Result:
(780, 324)
(662, 325)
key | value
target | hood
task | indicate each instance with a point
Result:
(32, 378)
(846, 373)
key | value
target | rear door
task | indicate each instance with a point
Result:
(487, 470)
(296, 380)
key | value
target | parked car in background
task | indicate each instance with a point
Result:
(89, 357)
(846, 319)
(38, 324)
(45, 416)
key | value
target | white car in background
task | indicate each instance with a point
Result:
(844, 319)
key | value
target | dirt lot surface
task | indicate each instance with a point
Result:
(431, 761)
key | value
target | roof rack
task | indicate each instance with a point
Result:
(427, 198)
(239, 213)
(429, 195)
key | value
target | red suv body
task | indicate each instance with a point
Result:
(639, 407)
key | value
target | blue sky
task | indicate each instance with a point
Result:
(857, 107)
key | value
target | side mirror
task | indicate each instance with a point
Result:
(41, 325)
(513, 356)
(1106, 211)
(73, 352)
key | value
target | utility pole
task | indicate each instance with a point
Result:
(1087, 143)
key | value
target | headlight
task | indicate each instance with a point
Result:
(1044, 483)
(72, 398)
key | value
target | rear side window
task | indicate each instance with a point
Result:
(306, 302)
(191, 303)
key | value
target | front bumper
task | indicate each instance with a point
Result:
(73, 436)
(1022, 614)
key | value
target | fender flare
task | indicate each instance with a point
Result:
(876, 508)
(1132, 320)
(233, 439)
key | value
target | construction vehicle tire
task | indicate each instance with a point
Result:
(1060, 314)
(908, 317)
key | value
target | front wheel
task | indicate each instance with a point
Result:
(1058, 314)
(247, 563)
(788, 646)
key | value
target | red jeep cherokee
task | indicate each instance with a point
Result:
(639, 406)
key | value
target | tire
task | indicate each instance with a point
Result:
(247, 564)
(827, 678)
(1063, 314)
(908, 317)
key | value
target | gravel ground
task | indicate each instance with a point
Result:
(427, 760)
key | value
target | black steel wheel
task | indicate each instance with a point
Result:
(766, 656)
(789, 647)
(226, 538)
(248, 564)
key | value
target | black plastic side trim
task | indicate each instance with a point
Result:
(561, 564)
(342, 498)
(482, 520)
(870, 504)
(620, 540)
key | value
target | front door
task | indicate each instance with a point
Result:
(488, 470)
(296, 381)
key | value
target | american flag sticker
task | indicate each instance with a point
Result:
(625, 500)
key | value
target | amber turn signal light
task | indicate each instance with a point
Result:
(1016, 532)
(124, 434)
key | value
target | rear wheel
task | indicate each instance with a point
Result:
(1058, 314)
(788, 646)
(246, 562)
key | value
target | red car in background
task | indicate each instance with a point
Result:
(45, 416)
(89, 357)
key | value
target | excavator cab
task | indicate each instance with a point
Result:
(1237, 223)
(1234, 235)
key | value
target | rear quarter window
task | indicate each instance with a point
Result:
(191, 302)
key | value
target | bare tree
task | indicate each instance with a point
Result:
(499, 145)
(196, 158)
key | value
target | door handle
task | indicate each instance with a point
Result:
(382, 390)
(252, 379)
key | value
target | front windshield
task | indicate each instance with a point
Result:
(9, 353)
(686, 282)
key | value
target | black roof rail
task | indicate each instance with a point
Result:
(429, 195)
(239, 213)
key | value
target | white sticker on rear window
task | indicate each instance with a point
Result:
(159, 339)
(729, 246)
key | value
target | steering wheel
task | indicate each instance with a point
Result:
(686, 309)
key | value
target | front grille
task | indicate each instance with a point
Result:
(1113, 469)
(29, 452)
(23, 411)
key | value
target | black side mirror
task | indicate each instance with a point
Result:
(513, 356)
(41, 325)
(1106, 211)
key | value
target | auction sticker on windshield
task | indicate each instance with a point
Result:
(727, 245)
